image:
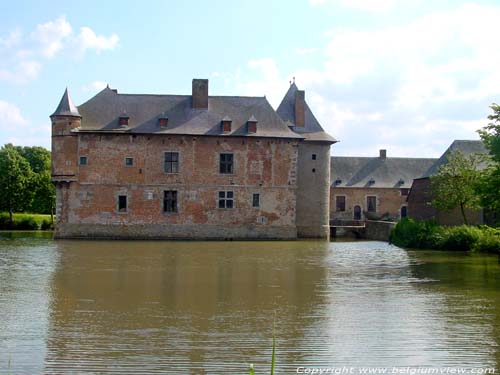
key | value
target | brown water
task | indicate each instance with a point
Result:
(209, 307)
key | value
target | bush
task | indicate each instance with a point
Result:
(489, 241)
(25, 222)
(413, 233)
(46, 225)
(4, 220)
(460, 238)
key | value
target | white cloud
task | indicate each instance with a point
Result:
(87, 39)
(10, 115)
(50, 35)
(21, 56)
(94, 86)
(306, 51)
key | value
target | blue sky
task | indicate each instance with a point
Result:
(410, 76)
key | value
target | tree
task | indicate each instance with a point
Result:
(455, 184)
(489, 189)
(15, 180)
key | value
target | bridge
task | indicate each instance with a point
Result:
(347, 228)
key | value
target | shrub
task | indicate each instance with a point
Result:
(25, 222)
(460, 238)
(4, 221)
(489, 241)
(417, 234)
(46, 225)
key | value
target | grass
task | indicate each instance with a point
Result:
(251, 370)
(25, 221)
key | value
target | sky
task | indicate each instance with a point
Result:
(407, 76)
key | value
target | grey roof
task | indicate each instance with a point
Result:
(101, 113)
(311, 130)
(355, 171)
(66, 106)
(466, 147)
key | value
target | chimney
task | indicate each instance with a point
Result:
(383, 154)
(200, 93)
(300, 110)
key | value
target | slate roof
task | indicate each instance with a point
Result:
(467, 147)
(355, 171)
(66, 106)
(311, 130)
(102, 112)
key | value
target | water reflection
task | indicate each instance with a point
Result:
(209, 307)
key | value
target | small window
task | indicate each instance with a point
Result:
(404, 211)
(371, 203)
(83, 160)
(256, 200)
(171, 162)
(170, 201)
(340, 203)
(226, 164)
(405, 191)
(226, 199)
(313, 156)
(314, 170)
(122, 203)
(129, 162)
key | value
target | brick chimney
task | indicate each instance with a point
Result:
(200, 93)
(300, 108)
(383, 154)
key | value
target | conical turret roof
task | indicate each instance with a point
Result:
(66, 106)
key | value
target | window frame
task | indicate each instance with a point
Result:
(337, 203)
(254, 201)
(174, 202)
(368, 199)
(171, 163)
(83, 157)
(119, 201)
(127, 158)
(225, 196)
(226, 164)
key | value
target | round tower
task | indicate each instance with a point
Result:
(64, 120)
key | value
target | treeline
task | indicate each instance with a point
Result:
(25, 180)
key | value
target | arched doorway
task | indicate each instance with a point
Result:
(357, 213)
(404, 211)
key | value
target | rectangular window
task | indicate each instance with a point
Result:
(313, 156)
(226, 164)
(83, 160)
(226, 199)
(170, 201)
(405, 191)
(129, 162)
(122, 203)
(340, 203)
(256, 200)
(371, 203)
(171, 162)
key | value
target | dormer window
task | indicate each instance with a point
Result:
(123, 120)
(371, 181)
(163, 122)
(252, 125)
(401, 181)
(338, 181)
(226, 124)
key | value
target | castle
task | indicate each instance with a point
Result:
(190, 167)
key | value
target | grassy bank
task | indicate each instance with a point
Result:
(22, 221)
(428, 235)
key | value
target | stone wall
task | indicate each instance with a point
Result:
(378, 230)
(89, 206)
(313, 190)
(389, 200)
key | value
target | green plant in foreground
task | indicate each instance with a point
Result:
(251, 370)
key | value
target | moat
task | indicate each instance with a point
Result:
(209, 307)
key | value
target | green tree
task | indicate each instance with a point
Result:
(489, 189)
(455, 183)
(15, 181)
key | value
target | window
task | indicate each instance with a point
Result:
(129, 162)
(313, 156)
(226, 199)
(83, 160)
(405, 191)
(226, 164)
(170, 201)
(122, 203)
(371, 203)
(256, 200)
(404, 211)
(340, 203)
(171, 162)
